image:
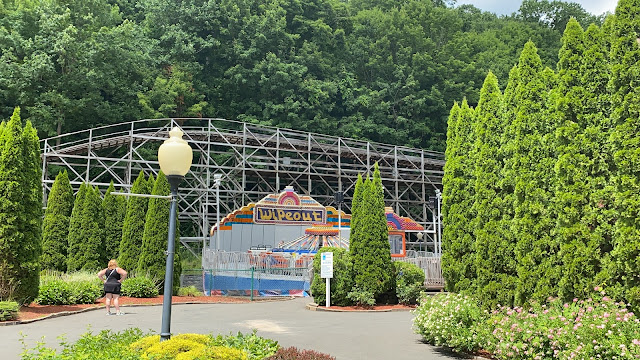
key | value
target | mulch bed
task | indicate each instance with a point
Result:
(35, 311)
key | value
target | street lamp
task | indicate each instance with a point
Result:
(217, 180)
(175, 157)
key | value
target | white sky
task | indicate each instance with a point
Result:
(506, 7)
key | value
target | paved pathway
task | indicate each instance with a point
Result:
(345, 335)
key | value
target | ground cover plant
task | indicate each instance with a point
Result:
(133, 344)
(593, 328)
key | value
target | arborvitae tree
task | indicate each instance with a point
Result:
(156, 231)
(20, 211)
(581, 168)
(372, 267)
(533, 161)
(75, 239)
(92, 248)
(458, 256)
(625, 92)
(32, 226)
(495, 260)
(488, 204)
(56, 224)
(133, 226)
(114, 210)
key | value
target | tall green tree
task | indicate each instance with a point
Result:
(152, 259)
(55, 227)
(583, 227)
(114, 208)
(92, 248)
(625, 77)
(20, 210)
(372, 267)
(133, 226)
(458, 258)
(75, 239)
(487, 200)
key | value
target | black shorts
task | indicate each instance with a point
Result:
(111, 288)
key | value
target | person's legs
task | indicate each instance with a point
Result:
(108, 297)
(116, 303)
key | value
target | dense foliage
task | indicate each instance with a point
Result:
(114, 207)
(369, 250)
(555, 201)
(380, 70)
(133, 226)
(68, 289)
(140, 287)
(55, 226)
(341, 282)
(8, 310)
(20, 210)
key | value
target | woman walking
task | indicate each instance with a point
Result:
(112, 278)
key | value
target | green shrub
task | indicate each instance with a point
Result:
(85, 292)
(8, 310)
(213, 353)
(55, 292)
(450, 320)
(341, 283)
(361, 297)
(409, 282)
(292, 353)
(189, 291)
(255, 346)
(139, 287)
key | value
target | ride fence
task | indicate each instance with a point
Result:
(256, 274)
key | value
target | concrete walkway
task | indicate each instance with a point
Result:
(345, 335)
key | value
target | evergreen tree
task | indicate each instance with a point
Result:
(625, 92)
(457, 198)
(581, 170)
(92, 248)
(56, 224)
(533, 161)
(133, 226)
(372, 267)
(20, 211)
(487, 202)
(156, 232)
(114, 211)
(74, 241)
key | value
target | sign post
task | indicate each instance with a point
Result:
(326, 272)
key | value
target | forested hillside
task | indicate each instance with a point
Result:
(383, 70)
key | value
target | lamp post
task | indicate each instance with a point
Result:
(339, 197)
(175, 157)
(217, 180)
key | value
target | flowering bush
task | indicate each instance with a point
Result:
(593, 328)
(451, 320)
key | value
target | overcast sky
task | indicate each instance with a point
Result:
(506, 7)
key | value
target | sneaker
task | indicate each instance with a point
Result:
(109, 313)
(119, 313)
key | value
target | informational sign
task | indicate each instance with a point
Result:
(326, 265)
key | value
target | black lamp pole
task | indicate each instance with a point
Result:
(165, 332)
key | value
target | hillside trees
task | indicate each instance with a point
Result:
(20, 210)
(55, 227)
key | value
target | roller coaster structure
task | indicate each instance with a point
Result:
(254, 161)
